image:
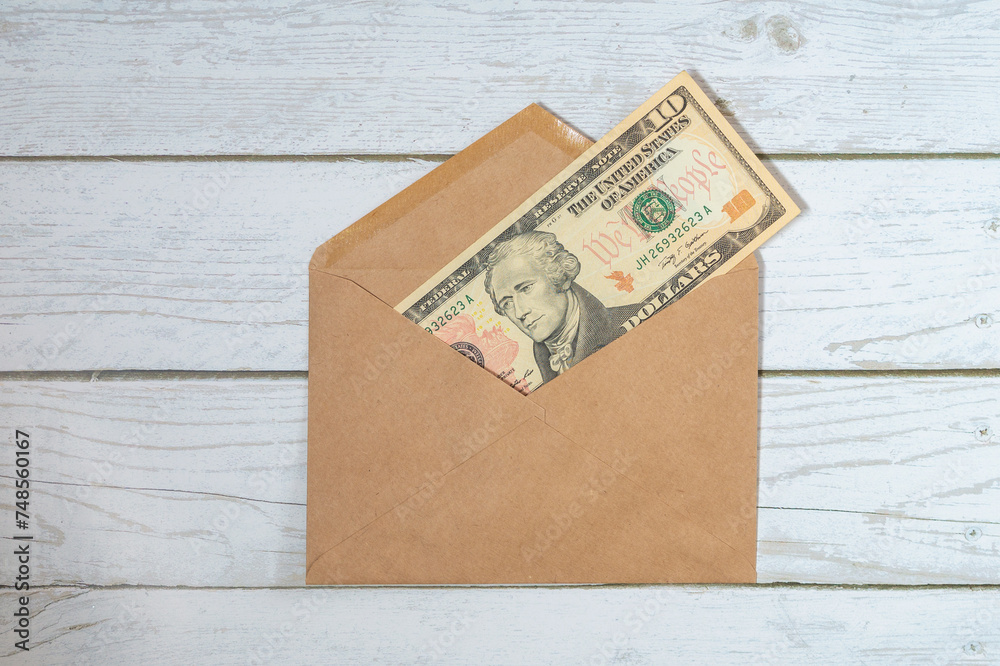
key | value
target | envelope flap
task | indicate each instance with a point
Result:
(398, 246)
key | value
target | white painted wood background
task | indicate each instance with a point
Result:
(166, 169)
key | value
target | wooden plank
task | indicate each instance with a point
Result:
(574, 625)
(201, 482)
(202, 265)
(200, 77)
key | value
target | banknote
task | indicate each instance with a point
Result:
(668, 199)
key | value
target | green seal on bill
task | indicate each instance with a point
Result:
(653, 210)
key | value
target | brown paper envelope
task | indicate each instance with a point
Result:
(638, 466)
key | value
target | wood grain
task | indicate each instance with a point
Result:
(201, 482)
(198, 77)
(202, 265)
(603, 625)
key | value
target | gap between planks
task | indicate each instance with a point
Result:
(566, 586)
(151, 375)
(432, 157)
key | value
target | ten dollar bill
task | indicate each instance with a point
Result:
(667, 199)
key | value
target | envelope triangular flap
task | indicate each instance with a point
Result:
(402, 243)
